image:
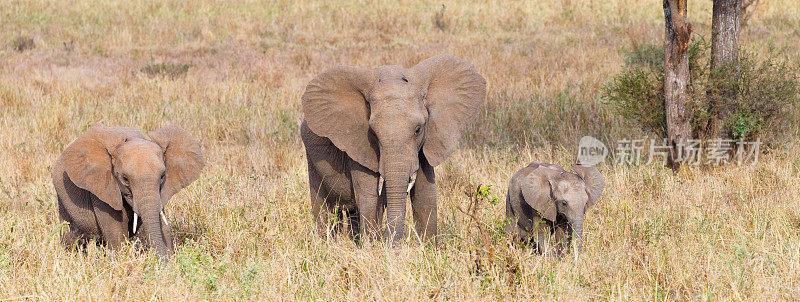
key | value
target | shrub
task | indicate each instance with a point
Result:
(198, 266)
(766, 103)
(22, 43)
(637, 94)
(166, 69)
(744, 124)
(763, 101)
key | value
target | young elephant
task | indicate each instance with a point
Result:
(373, 136)
(546, 204)
(112, 180)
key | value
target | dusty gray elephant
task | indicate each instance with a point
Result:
(363, 126)
(111, 180)
(546, 205)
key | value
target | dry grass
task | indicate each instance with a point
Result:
(244, 228)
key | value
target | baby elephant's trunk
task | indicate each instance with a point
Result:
(577, 235)
(153, 225)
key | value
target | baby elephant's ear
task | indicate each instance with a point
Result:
(594, 182)
(87, 161)
(182, 158)
(537, 188)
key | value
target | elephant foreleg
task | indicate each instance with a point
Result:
(540, 234)
(423, 202)
(73, 238)
(562, 236)
(365, 188)
(112, 226)
(516, 225)
(353, 224)
(318, 208)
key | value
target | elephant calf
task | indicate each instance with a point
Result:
(111, 180)
(546, 204)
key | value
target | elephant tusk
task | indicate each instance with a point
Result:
(135, 222)
(164, 218)
(411, 182)
(380, 185)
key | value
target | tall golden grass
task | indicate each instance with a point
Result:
(244, 229)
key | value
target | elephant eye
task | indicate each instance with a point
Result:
(404, 79)
(564, 203)
(417, 130)
(125, 179)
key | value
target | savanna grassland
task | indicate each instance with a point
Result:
(232, 73)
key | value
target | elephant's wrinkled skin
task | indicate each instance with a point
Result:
(546, 204)
(373, 136)
(110, 175)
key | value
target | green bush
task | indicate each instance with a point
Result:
(766, 102)
(23, 43)
(744, 124)
(165, 69)
(198, 266)
(638, 95)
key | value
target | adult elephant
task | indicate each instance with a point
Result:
(363, 126)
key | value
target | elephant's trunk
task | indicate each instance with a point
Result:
(577, 234)
(152, 225)
(397, 181)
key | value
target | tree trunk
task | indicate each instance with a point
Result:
(725, 24)
(676, 77)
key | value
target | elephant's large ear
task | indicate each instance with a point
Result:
(456, 94)
(335, 107)
(594, 182)
(87, 161)
(182, 158)
(536, 189)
